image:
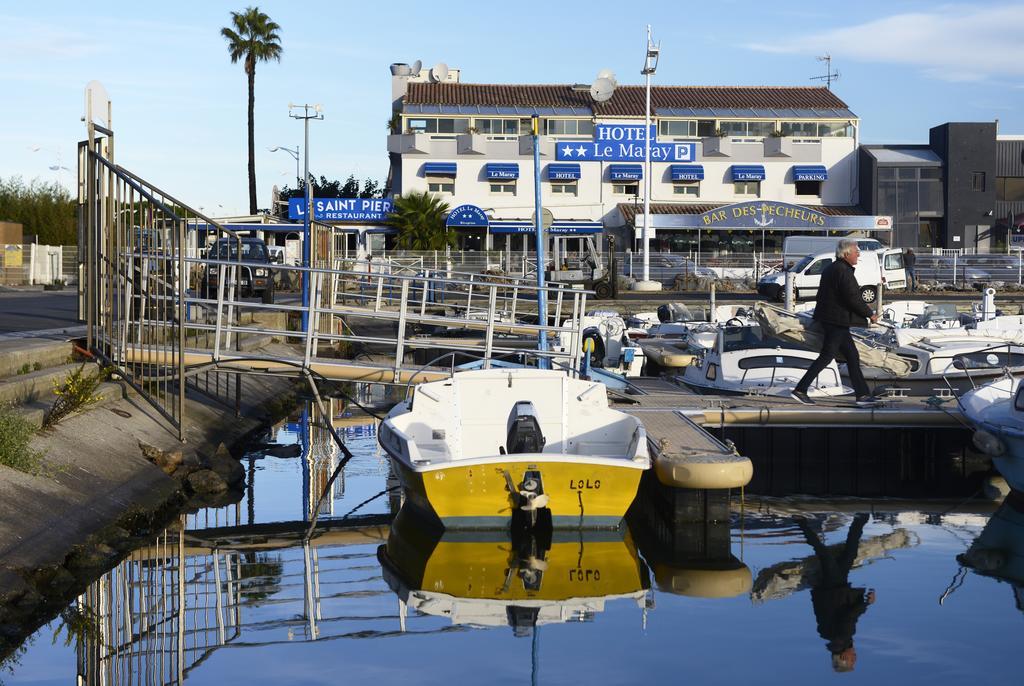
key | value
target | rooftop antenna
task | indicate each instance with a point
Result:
(829, 75)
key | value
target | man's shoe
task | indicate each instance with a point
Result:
(801, 396)
(868, 401)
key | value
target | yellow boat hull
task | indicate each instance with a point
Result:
(483, 566)
(581, 495)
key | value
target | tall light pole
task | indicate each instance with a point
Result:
(538, 226)
(317, 113)
(650, 66)
(294, 153)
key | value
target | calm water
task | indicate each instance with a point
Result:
(772, 597)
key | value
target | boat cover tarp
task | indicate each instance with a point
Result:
(806, 331)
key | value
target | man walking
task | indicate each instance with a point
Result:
(839, 307)
(909, 263)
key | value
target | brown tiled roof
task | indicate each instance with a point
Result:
(628, 101)
(629, 211)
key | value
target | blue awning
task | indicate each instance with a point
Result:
(810, 172)
(687, 172)
(511, 226)
(502, 170)
(748, 172)
(626, 172)
(439, 169)
(559, 226)
(571, 227)
(563, 172)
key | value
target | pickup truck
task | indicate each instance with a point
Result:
(253, 279)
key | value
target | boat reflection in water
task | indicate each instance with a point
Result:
(487, 578)
(998, 551)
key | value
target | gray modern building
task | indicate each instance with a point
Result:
(964, 189)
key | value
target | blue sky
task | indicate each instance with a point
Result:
(179, 104)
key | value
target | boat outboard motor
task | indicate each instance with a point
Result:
(524, 435)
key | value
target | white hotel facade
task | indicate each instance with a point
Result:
(715, 147)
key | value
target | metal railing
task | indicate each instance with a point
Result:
(156, 317)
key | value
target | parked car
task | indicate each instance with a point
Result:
(874, 271)
(256, 276)
(996, 267)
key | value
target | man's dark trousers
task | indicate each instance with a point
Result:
(837, 341)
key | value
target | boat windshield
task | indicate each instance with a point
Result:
(751, 337)
(942, 311)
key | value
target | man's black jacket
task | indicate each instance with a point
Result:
(839, 301)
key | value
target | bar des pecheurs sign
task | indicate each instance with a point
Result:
(768, 215)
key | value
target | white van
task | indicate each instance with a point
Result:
(794, 248)
(873, 271)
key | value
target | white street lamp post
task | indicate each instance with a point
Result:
(650, 66)
(58, 168)
(294, 153)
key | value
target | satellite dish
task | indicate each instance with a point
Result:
(602, 89)
(439, 72)
(96, 102)
(609, 75)
(416, 67)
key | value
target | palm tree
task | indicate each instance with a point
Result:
(420, 220)
(252, 38)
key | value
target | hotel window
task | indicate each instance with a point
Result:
(565, 187)
(497, 127)
(503, 187)
(568, 127)
(750, 189)
(677, 128)
(813, 129)
(835, 129)
(978, 181)
(441, 184)
(808, 188)
(706, 128)
(753, 129)
(626, 188)
(688, 188)
(438, 125)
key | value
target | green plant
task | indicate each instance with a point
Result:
(395, 123)
(36, 366)
(25, 369)
(76, 392)
(15, 435)
(420, 220)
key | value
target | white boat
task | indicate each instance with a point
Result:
(961, 359)
(612, 349)
(743, 360)
(996, 410)
(474, 449)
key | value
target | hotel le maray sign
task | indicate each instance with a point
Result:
(623, 143)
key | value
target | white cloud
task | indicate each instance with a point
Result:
(950, 43)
